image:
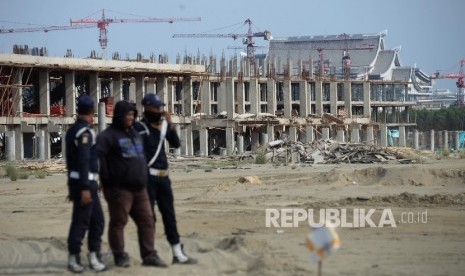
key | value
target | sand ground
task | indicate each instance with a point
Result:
(222, 221)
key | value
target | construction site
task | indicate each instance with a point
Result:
(353, 89)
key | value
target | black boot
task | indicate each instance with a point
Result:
(154, 260)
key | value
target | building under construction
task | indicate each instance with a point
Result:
(305, 88)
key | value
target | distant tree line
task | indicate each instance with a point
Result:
(451, 119)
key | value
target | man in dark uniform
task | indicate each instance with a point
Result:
(123, 174)
(155, 127)
(81, 162)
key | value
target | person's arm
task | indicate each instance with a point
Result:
(84, 142)
(171, 134)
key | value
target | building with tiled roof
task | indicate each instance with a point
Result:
(369, 58)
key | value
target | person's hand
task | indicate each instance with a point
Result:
(167, 116)
(85, 197)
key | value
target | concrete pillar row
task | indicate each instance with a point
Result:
(287, 99)
(230, 102)
(416, 139)
(10, 145)
(293, 134)
(254, 96)
(355, 135)
(117, 91)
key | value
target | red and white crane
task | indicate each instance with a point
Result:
(101, 23)
(460, 76)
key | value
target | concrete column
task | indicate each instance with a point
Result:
(177, 152)
(10, 145)
(440, 139)
(432, 140)
(333, 97)
(416, 139)
(183, 139)
(446, 140)
(70, 93)
(140, 91)
(318, 98)
(271, 96)
(304, 99)
(340, 136)
(456, 140)
(189, 141)
(287, 98)
(230, 102)
(366, 100)
(384, 141)
(187, 97)
(325, 133)
(18, 94)
(355, 135)
(264, 139)
(44, 92)
(162, 88)
(255, 137)
(203, 135)
(222, 97)
(230, 145)
(254, 95)
(270, 133)
(47, 151)
(117, 90)
(293, 134)
(240, 144)
(40, 144)
(309, 134)
(240, 98)
(63, 144)
(101, 117)
(402, 137)
(348, 98)
(370, 136)
(205, 95)
(19, 143)
(94, 86)
(132, 91)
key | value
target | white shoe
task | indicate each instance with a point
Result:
(74, 264)
(95, 263)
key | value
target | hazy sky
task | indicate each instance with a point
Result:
(431, 32)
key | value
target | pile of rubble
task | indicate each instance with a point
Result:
(329, 152)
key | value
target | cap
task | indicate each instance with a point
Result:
(85, 105)
(153, 100)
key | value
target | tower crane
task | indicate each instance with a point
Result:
(460, 82)
(101, 23)
(248, 41)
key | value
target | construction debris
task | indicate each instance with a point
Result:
(328, 152)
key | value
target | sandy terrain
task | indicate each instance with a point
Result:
(222, 221)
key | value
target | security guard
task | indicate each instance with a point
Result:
(155, 127)
(81, 162)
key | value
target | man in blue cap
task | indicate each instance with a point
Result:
(81, 162)
(155, 127)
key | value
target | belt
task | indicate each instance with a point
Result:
(157, 172)
(75, 175)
